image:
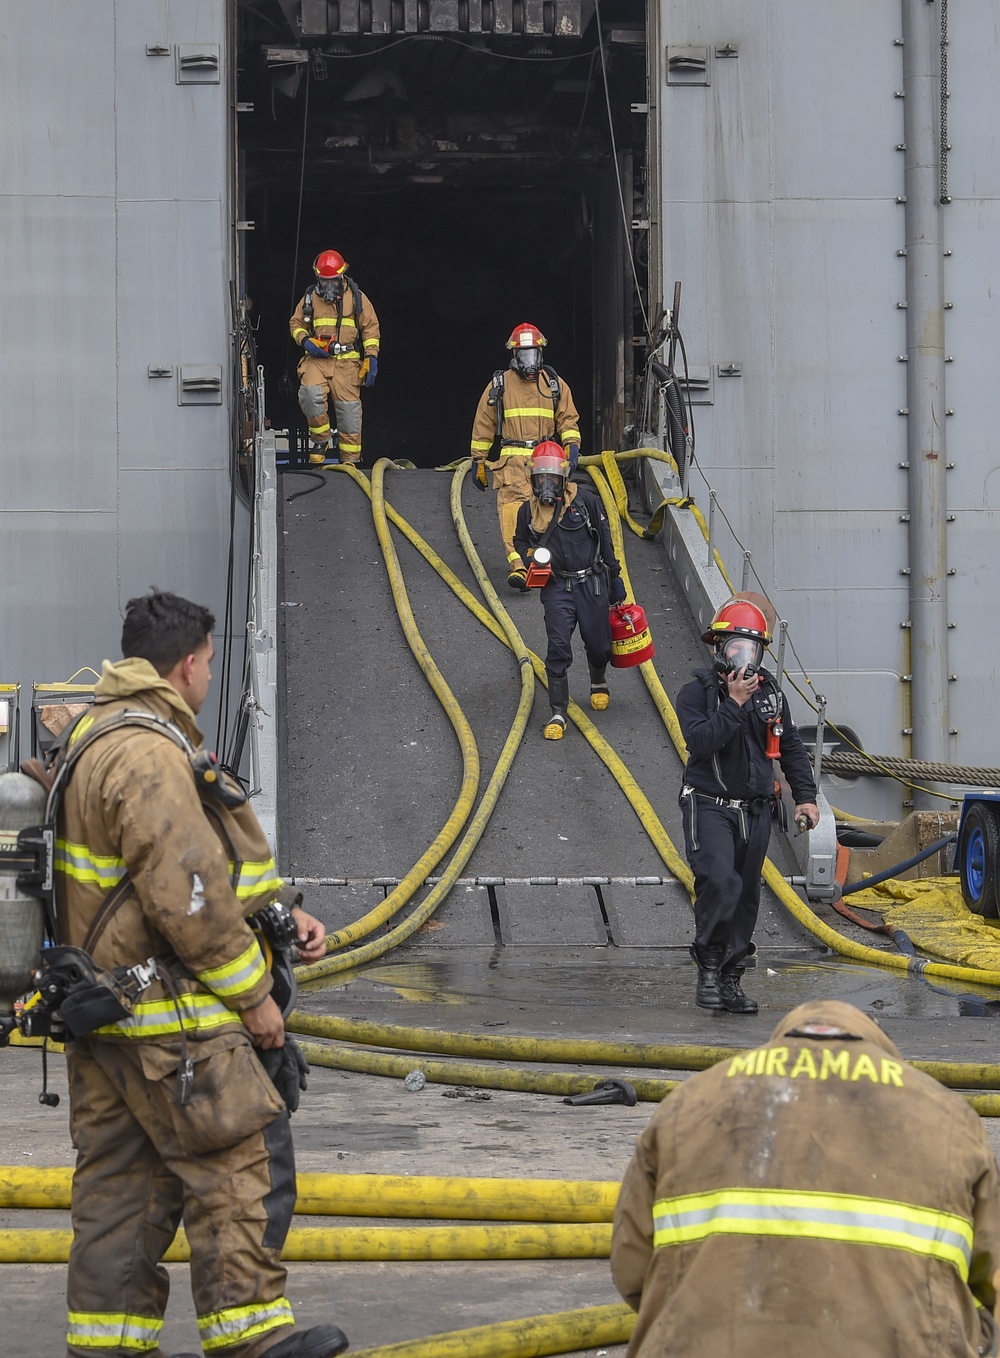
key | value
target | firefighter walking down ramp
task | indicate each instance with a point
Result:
(562, 531)
(160, 862)
(337, 329)
(816, 1196)
(521, 407)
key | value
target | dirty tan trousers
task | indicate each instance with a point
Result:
(139, 1173)
(512, 482)
(337, 380)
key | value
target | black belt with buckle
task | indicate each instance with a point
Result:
(752, 804)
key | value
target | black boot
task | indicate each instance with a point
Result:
(600, 694)
(322, 1341)
(707, 993)
(732, 994)
(559, 702)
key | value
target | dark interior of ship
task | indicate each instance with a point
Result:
(461, 155)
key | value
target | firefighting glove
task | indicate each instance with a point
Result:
(287, 1069)
(479, 475)
(574, 456)
(372, 373)
(311, 347)
(616, 590)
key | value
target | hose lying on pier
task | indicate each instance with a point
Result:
(581, 1051)
(594, 1327)
(421, 1196)
(368, 1244)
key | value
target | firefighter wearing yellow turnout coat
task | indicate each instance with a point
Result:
(336, 327)
(522, 407)
(172, 1115)
(815, 1196)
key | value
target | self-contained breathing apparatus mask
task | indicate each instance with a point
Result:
(527, 363)
(739, 653)
(547, 487)
(330, 288)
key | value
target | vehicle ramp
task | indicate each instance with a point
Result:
(370, 766)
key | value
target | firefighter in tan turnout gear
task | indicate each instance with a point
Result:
(171, 1113)
(815, 1196)
(336, 327)
(522, 407)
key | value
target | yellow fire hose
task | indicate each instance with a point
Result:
(559, 1332)
(368, 1244)
(522, 1081)
(367, 1062)
(581, 1051)
(423, 1196)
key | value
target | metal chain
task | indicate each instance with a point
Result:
(945, 196)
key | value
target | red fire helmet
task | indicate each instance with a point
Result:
(329, 264)
(526, 336)
(549, 457)
(737, 618)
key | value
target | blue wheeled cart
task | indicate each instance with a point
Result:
(977, 857)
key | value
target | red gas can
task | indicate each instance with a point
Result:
(631, 643)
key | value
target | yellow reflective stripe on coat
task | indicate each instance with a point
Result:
(256, 878)
(570, 436)
(546, 412)
(237, 1324)
(816, 1216)
(77, 861)
(113, 1330)
(158, 1018)
(233, 978)
(331, 322)
(481, 445)
(372, 343)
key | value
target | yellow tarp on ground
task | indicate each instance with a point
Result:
(933, 914)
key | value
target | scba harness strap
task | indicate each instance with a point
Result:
(497, 392)
(308, 311)
(88, 996)
(597, 564)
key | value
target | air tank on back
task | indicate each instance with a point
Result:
(22, 917)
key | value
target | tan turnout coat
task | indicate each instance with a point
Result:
(817, 1196)
(132, 805)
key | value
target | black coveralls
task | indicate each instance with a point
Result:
(583, 558)
(726, 844)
